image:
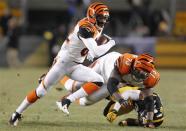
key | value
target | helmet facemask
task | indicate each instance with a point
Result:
(139, 75)
(142, 67)
(101, 20)
(98, 14)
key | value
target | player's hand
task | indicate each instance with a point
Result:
(89, 57)
(112, 42)
(111, 116)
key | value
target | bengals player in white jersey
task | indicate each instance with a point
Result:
(102, 66)
(80, 43)
(128, 69)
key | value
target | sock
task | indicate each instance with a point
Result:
(76, 95)
(116, 106)
(30, 98)
(23, 106)
(87, 89)
(90, 88)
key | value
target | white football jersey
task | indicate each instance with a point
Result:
(73, 49)
(106, 64)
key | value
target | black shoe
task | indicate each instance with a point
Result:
(65, 104)
(15, 118)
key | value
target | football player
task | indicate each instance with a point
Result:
(137, 71)
(114, 109)
(79, 44)
(102, 66)
(128, 69)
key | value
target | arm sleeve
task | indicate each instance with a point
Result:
(94, 49)
(112, 85)
(113, 81)
(149, 100)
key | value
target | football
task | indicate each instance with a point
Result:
(102, 39)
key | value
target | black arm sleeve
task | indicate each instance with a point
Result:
(85, 33)
(112, 85)
(149, 103)
(132, 122)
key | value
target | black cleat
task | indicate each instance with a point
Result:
(65, 104)
(15, 118)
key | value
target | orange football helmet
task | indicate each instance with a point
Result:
(142, 66)
(98, 14)
(144, 62)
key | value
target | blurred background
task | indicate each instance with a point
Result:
(32, 31)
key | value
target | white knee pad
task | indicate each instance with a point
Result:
(41, 91)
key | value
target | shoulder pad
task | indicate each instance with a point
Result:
(123, 63)
(85, 32)
(86, 29)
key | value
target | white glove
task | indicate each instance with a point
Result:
(90, 57)
(113, 43)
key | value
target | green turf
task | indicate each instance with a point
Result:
(43, 116)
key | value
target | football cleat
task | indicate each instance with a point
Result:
(15, 118)
(63, 105)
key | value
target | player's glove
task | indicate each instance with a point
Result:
(111, 116)
(90, 57)
(112, 42)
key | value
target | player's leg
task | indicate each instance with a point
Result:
(114, 109)
(90, 99)
(83, 73)
(70, 85)
(129, 122)
(94, 97)
(55, 73)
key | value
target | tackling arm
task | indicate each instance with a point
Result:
(148, 94)
(112, 84)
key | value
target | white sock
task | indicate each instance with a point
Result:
(23, 106)
(76, 95)
(117, 106)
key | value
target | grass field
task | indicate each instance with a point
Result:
(43, 116)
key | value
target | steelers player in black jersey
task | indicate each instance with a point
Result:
(140, 107)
